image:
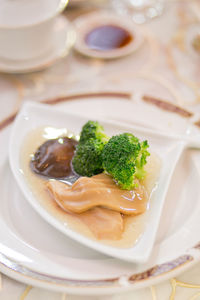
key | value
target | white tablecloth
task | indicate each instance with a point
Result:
(159, 60)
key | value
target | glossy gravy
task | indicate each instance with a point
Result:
(133, 225)
(108, 37)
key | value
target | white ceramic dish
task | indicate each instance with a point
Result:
(64, 38)
(169, 149)
(84, 24)
(35, 253)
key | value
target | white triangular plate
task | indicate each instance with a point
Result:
(168, 148)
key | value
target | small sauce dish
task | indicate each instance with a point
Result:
(105, 35)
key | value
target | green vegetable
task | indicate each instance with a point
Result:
(124, 158)
(93, 130)
(87, 160)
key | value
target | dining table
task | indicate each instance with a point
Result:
(164, 73)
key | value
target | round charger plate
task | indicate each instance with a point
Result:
(33, 252)
(64, 39)
(84, 24)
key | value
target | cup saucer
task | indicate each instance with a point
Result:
(64, 39)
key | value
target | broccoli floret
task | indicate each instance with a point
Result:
(92, 130)
(124, 158)
(87, 160)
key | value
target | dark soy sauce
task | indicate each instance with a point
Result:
(108, 37)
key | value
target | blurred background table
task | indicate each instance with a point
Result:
(166, 61)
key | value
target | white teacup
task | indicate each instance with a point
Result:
(27, 27)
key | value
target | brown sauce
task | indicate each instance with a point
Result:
(53, 158)
(108, 37)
